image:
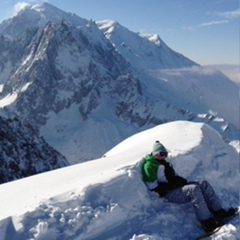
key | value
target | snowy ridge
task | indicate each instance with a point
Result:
(143, 51)
(106, 199)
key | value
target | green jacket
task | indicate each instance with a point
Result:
(150, 169)
(150, 175)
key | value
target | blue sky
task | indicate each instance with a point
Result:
(206, 31)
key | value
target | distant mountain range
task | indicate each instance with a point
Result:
(85, 86)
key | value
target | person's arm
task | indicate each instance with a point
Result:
(150, 173)
(173, 178)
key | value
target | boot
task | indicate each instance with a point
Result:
(209, 224)
(222, 213)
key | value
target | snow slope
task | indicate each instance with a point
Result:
(143, 51)
(106, 199)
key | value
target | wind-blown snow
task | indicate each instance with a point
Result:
(106, 199)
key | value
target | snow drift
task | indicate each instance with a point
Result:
(106, 199)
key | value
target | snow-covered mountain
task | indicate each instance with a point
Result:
(36, 16)
(24, 153)
(143, 51)
(84, 87)
(194, 88)
(105, 198)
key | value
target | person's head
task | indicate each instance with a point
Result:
(159, 151)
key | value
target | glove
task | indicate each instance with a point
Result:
(179, 181)
(162, 189)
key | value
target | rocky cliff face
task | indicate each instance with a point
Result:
(61, 67)
(24, 153)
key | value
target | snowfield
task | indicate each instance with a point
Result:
(106, 198)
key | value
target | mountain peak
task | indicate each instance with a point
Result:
(43, 6)
(107, 23)
(144, 51)
(51, 12)
(44, 9)
(32, 16)
(109, 27)
(155, 38)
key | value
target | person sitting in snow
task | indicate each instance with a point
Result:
(159, 176)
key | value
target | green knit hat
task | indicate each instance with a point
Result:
(158, 147)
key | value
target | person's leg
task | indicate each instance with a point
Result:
(213, 202)
(210, 197)
(191, 193)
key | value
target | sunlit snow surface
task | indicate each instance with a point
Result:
(106, 199)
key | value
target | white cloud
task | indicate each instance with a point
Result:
(211, 23)
(230, 70)
(19, 6)
(230, 14)
(227, 16)
(208, 24)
